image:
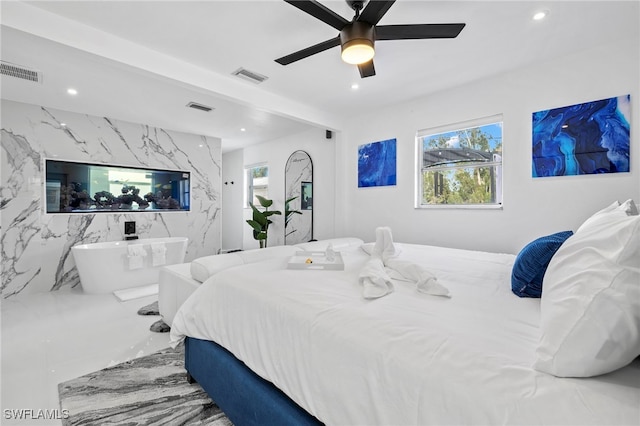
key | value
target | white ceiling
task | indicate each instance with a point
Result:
(142, 61)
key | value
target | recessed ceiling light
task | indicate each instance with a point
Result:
(72, 91)
(243, 129)
(63, 124)
(355, 86)
(538, 16)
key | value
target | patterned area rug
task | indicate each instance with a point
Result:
(150, 390)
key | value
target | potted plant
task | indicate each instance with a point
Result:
(260, 222)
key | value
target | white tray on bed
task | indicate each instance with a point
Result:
(318, 259)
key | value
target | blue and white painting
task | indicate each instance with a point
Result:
(377, 164)
(588, 138)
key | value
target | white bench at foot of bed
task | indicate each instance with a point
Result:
(175, 286)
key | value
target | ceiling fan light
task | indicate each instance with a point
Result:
(357, 52)
(356, 41)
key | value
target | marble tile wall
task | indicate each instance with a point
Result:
(36, 247)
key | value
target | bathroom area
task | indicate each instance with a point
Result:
(40, 230)
(57, 325)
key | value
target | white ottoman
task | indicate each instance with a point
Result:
(175, 285)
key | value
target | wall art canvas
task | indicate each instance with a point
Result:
(377, 164)
(588, 138)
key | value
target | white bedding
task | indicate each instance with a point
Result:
(406, 358)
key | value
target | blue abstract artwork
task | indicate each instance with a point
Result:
(588, 138)
(377, 164)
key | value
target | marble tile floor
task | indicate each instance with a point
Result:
(52, 337)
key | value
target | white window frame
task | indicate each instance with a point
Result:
(250, 185)
(498, 164)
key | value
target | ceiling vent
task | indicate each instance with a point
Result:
(251, 76)
(19, 71)
(200, 107)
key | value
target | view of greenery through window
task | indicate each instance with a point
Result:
(461, 167)
(257, 184)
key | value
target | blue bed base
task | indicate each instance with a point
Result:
(243, 396)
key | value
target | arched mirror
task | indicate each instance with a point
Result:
(298, 212)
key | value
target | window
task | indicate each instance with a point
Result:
(257, 183)
(461, 165)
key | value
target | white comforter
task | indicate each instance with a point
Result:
(406, 358)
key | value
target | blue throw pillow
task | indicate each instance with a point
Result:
(531, 264)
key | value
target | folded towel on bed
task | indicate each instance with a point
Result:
(384, 247)
(374, 279)
(425, 281)
(136, 254)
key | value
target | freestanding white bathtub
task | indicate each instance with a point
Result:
(106, 267)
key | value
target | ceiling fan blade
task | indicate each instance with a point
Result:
(320, 12)
(367, 69)
(304, 53)
(375, 10)
(418, 31)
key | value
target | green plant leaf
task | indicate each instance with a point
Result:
(264, 202)
(262, 220)
(254, 208)
(259, 216)
(255, 225)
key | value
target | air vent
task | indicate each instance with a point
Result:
(251, 76)
(19, 71)
(200, 107)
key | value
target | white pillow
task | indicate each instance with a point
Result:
(258, 255)
(597, 214)
(337, 244)
(368, 247)
(590, 306)
(629, 207)
(204, 267)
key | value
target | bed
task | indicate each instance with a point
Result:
(274, 345)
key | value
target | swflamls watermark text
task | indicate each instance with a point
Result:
(35, 414)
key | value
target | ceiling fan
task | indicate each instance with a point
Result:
(358, 36)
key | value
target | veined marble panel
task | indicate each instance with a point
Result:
(36, 247)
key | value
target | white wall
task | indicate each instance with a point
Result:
(275, 154)
(232, 198)
(532, 207)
